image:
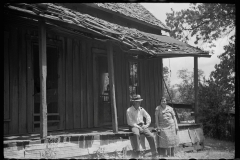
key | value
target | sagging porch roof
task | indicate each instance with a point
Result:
(138, 42)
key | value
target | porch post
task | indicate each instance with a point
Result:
(43, 76)
(112, 86)
(196, 88)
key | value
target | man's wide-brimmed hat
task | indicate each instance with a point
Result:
(136, 98)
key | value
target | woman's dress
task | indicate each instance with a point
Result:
(167, 137)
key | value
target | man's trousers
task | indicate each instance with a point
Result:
(148, 135)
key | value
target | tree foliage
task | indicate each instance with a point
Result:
(224, 74)
(186, 87)
(217, 95)
(207, 21)
(214, 110)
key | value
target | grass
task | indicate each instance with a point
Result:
(214, 149)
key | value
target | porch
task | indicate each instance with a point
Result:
(84, 143)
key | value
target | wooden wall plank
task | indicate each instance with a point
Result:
(95, 90)
(62, 83)
(89, 85)
(22, 83)
(147, 85)
(127, 73)
(69, 85)
(151, 88)
(142, 83)
(13, 128)
(84, 115)
(156, 78)
(161, 78)
(118, 82)
(76, 84)
(6, 83)
(6, 77)
(6, 128)
(155, 81)
(123, 84)
(30, 87)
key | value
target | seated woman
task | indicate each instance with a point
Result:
(167, 126)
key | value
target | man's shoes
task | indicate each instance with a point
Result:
(135, 154)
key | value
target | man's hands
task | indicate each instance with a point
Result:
(141, 128)
(144, 126)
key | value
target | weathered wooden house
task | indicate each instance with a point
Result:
(74, 66)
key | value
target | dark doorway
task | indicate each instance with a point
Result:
(104, 101)
(52, 88)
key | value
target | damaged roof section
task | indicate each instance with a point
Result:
(150, 44)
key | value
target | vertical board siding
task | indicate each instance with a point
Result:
(30, 87)
(142, 83)
(76, 97)
(156, 81)
(160, 79)
(152, 87)
(76, 84)
(127, 73)
(69, 85)
(89, 84)
(156, 97)
(6, 82)
(13, 128)
(62, 84)
(84, 115)
(95, 91)
(159, 66)
(149, 74)
(119, 87)
(123, 86)
(22, 83)
(6, 75)
(146, 77)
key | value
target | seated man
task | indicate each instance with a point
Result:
(135, 115)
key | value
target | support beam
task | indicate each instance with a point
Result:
(196, 88)
(112, 86)
(43, 76)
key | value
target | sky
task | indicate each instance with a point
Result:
(159, 10)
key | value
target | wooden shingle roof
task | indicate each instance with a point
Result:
(149, 44)
(134, 10)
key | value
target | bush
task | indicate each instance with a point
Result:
(213, 112)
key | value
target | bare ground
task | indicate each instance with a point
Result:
(214, 149)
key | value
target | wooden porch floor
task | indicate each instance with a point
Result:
(74, 143)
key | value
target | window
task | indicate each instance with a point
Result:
(133, 78)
